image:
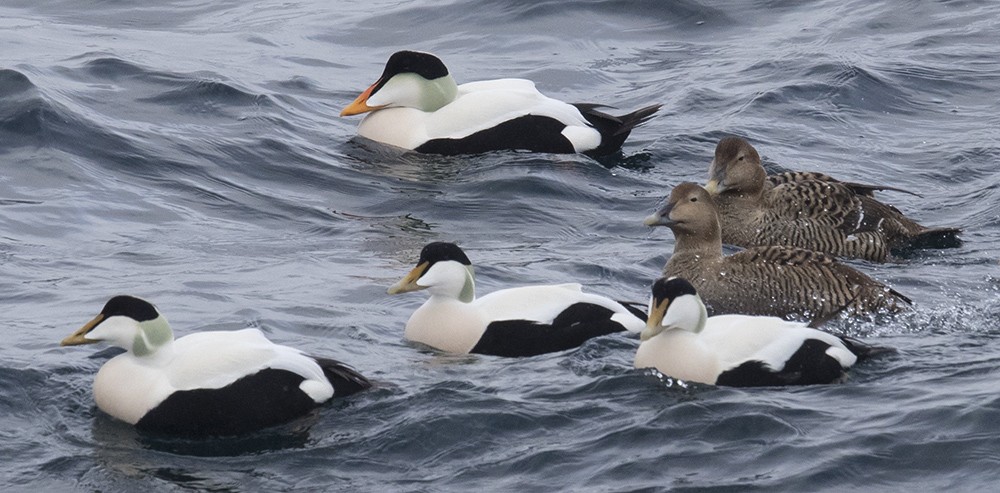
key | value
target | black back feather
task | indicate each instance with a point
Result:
(574, 326)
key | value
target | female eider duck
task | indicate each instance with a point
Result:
(207, 383)
(523, 321)
(809, 210)
(417, 105)
(773, 280)
(681, 341)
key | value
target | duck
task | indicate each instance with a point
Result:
(681, 341)
(417, 105)
(211, 383)
(512, 322)
(810, 210)
(772, 280)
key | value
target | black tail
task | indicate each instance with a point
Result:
(900, 296)
(345, 380)
(637, 309)
(614, 129)
(865, 351)
(937, 238)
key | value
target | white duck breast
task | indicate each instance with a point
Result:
(416, 105)
(523, 321)
(737, 350)
(208, 383)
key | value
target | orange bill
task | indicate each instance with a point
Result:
(360, 105)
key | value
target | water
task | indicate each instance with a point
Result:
(191, 153)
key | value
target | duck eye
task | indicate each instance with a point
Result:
(740, 158)
(694, 199)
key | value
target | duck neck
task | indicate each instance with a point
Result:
(741, 213)
(706, 244)
(686, 313)
(468, 293)
(739, 201)
(440, 92)
(459, 284)
(154, 340)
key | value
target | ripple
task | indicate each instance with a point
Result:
(193, 153)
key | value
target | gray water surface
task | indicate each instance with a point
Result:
(191, 153)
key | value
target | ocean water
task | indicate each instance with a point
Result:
(191, 153)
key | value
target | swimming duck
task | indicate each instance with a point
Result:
(809, 210)
(682, 341)
(522, 321)
(774, 280)
(417, 105)
(206, 383)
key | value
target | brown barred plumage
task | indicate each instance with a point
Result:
(774, 280)
(809, 210)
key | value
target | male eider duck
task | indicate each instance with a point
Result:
(775, 280)
(523, 321)
(417, 105)
(206, 383)
(682, 342)
(809, 210)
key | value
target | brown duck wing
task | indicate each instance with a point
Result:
(825, 216)
(841, 284)
(858, 188)
(794, 176)
(792, 282)
(823, 204)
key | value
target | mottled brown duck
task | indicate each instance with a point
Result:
(774, 280)
(809, 210)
